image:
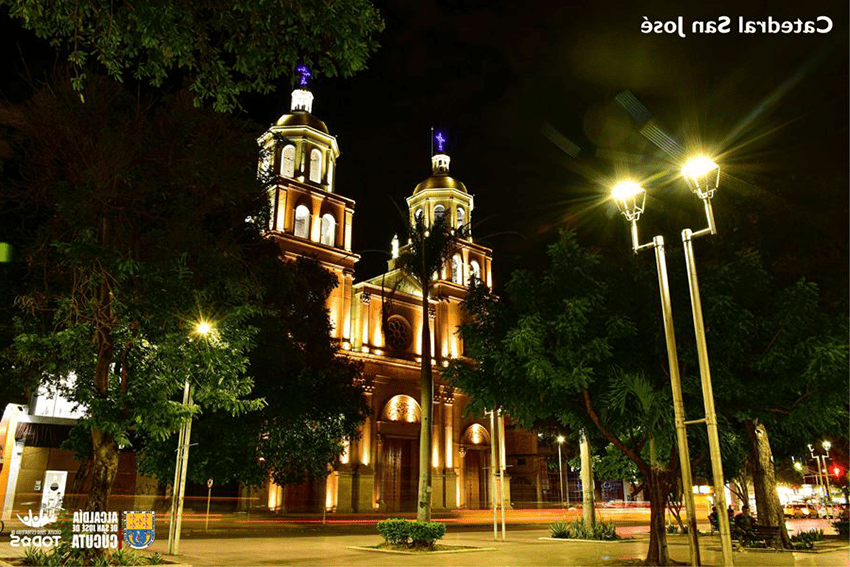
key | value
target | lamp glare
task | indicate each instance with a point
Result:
(561, 439)
(697, 167)
(625, 190)
(203, 328)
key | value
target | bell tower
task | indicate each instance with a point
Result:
(307, 216)
(443, 196)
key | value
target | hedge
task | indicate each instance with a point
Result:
(397, 531)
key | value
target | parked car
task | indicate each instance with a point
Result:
(801, 511)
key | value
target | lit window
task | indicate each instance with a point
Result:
(302, 221)
(288, 166)
(419, 216)
(51, 402)
(328, 229)
(316, 166)
(439, 214)
(460, 217)
(474, 270)
(456, 277)
(402, 408)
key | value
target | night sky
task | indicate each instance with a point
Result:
(505, 79)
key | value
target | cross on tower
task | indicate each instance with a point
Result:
(441, 141)
(305, 73)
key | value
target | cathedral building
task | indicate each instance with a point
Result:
(378, 322)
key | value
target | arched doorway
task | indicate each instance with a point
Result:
(475, 456)
(399, 449)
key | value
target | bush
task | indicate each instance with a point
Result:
(577, 529)
(396, 531)
(807, 539)
(843, 527)
(559, 530)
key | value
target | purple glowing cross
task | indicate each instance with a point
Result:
(441, 141)
(305, 73)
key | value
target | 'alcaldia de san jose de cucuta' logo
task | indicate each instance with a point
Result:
(139, 529)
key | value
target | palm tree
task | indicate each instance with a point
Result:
(427, 251)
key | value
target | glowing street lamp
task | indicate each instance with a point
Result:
(630, 198)
(702, 176)
(204, 329)
(561, 469)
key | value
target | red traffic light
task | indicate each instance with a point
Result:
(837, 471)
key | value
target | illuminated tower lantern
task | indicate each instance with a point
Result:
(308, 217)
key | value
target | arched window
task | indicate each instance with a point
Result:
(402, 408)
(439, 214)
(475, 434)
(419, 216)
(302, 221)
(287, 167)
(328, 229)
(316, 166)
(460, 217)
(456, 277)
(475, 270)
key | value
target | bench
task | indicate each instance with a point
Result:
(759, 533)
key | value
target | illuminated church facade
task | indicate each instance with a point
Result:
(379, 471)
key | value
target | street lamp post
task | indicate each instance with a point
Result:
(630, 198)
(203, 329)
(702, 176)
(823, 475)
(561, 470)
(830, 511)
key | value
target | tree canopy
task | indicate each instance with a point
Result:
(221, 49)
(142, 217)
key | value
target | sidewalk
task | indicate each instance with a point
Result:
(522, 549)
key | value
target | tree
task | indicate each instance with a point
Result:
(779, 363)
(427, 251)
(546, 352)
(221, 49)
(312, 398)
(139, 210)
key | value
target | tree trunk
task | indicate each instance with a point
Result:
(768, 507)
(588, 514)
(657, 489)
(426, 400)
(103, 471)
(79, 484)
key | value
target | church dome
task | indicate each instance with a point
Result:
(440, 181)
(302, 118)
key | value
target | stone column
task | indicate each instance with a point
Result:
(365, 475)
(448, 426)
(379, 467)
(365, 302)
(344, 490)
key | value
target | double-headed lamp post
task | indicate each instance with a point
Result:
(702, 176)
(823, 475)
(561, 469)
(203, 329)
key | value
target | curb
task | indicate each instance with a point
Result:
(419, 553)
(569, 539)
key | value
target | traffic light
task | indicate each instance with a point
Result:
(837, 471)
